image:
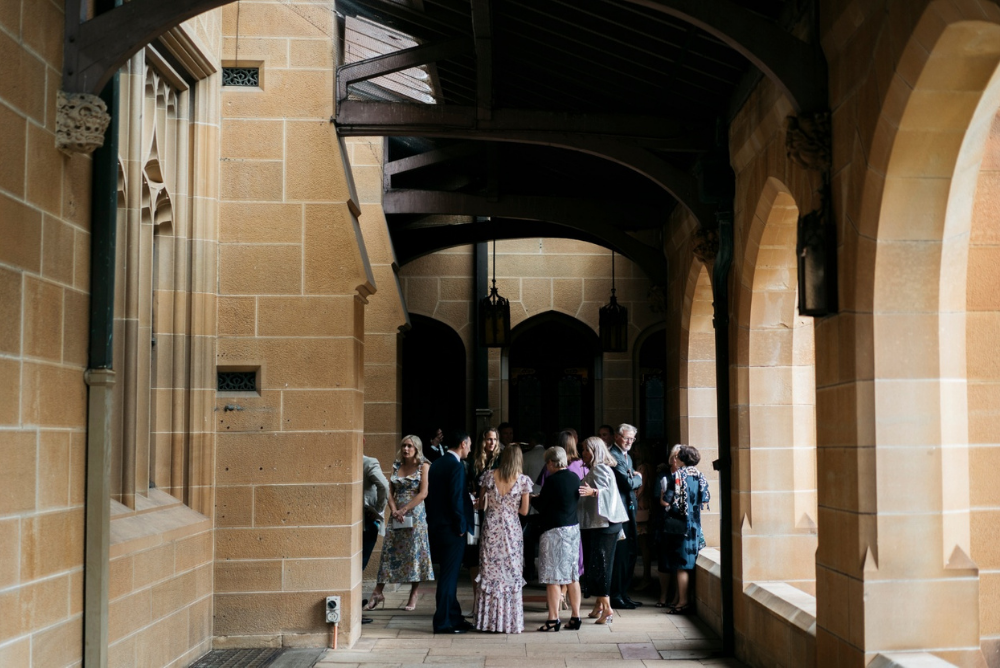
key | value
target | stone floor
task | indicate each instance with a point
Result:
(641, 638)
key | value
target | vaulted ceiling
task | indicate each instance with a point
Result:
(591, 119)
(588, 119)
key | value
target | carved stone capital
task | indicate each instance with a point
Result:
(808, 140)
(81, 120)
(706, 244)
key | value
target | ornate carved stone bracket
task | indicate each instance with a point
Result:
(657, 296)
(81, 120)
(808, 140)
(706, 244)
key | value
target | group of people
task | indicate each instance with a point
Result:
(470, 506)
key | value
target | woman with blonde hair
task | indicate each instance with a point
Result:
(601, 514)
(406, 550)
(504, 495)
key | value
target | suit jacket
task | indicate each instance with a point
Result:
(628, 481)
(376, 492)
(449, 507)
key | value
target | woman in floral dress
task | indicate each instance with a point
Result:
(406, 552)
(505, 495)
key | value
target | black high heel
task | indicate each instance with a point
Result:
(551, 625)
(574, 624)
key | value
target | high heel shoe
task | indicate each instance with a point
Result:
(551, 625)
(375, 600)
(594, 614)
(410, 606)
(605, 618)
(574, 624)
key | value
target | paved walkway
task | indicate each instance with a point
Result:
(641, 638)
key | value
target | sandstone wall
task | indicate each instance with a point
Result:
(293, 281)
(44, 287)
(538, 276)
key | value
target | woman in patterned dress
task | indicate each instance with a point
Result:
(505, 495)
(406, 552)
(485, 457)
(684, 495)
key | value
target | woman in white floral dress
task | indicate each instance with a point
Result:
(505, 495)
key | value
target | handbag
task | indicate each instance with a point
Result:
(407, 523)
(472, 535)
(673, 525)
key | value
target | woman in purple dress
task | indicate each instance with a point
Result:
(504, 495)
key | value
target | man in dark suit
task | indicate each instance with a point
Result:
(449, 515)
(626, 553)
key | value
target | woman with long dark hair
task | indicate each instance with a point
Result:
(684, 496)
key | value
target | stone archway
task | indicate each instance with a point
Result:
(433, 378)
(919, 476)
(699, 407)
(553, 361)
(778, 436)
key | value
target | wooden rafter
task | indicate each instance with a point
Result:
(519, 127)
(398, 61)
(95, 49)
(416, 242)
(795, 66)
(482, 32)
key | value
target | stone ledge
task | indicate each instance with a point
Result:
(786, 602)
(907, 660)
(710, 560)
(162, 519)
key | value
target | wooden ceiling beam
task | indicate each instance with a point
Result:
(796, 67)
(398, 61)
(412, 243)
(95, 49)
(561, 210)
(614, 137)
(482, 32)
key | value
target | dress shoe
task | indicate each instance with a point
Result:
(621, 604)
(453, 630)
(464, 625)
(367, 620)
(635, 604)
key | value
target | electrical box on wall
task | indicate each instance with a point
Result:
(332, 609)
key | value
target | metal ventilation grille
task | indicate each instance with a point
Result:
(238, 658)
(241, 76)
(237, 381)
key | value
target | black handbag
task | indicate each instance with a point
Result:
(673, 525)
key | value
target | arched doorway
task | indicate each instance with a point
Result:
(552, 364)
(433, 377)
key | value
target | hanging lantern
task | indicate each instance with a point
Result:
(494, 315)
(614, 321)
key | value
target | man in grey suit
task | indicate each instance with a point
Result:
(628, 480)
(375, 493)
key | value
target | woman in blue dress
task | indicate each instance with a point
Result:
(683, 495)
(406, 551)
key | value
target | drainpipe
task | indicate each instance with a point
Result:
(481, 361)
(101, 379)
(720, 296)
